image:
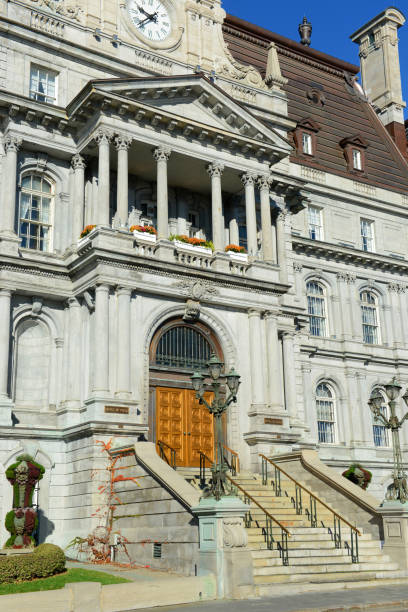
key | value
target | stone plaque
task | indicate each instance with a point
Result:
(272, 421)
(116, 409)
(394, 530)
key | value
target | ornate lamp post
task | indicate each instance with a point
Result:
(399, 490)
(215, 380)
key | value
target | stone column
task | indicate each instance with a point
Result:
(298, 269)
(101, 339)
(342, 280)
(310, 417)
(264, 183)
(122, 143)
(289, 374)
(256, 362)
(233, 223)
(248, 180)
(394, 290)
(363, 411)
(103, 138)
(274, 361)
(74, 353)
(162, 155)
(353, 396)
(281, 244)
(215, 171)
(78, 166)
(8, 217)
(123, 338)
(5, 309)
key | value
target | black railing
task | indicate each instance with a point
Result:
(163, 455)
(311, 512)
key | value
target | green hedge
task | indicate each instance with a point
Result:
(46, 560)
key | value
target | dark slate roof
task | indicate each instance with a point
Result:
(344, 112)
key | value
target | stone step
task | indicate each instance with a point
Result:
(323, 568)
(262, 582)
(364, 555)
(328, 557)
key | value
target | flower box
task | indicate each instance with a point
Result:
(240, 257)
(145, 236)
(192, 248)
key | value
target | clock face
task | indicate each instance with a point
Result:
(151, 18)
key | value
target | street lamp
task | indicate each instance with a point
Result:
(213, 381)
(399, 489)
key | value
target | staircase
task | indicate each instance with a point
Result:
(331, 551)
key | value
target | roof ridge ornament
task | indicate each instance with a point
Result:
(273, 77)
(305, 31)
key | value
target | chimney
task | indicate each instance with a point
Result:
(380, 71)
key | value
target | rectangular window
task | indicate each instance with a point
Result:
(367, 235)
(43, 85)
(325, 421)
(315, 223)
(357, 160)
(307, 144)
(380, 432)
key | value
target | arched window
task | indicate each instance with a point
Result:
(325, 409)
(36, 209)
(183, 347)
(316, 308)
(380, 432)
(369, 315)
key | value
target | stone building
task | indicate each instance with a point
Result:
(170, 113)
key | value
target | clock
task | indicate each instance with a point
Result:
(151, 19)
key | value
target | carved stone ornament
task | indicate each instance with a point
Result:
(215, 170)
(123, 142)
(78, 162)
(103, 136)
(346, 277)
(65, 8)
(162, 154)
(230, 68)
(192, 311)
(196, 290)
(396, 288)
(12, 143)
(234, 533)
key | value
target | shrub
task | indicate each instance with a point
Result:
(46, 560)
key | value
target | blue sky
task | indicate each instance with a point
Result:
(333, 22)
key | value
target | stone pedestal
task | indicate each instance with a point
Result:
(223, 546)
(395, 522)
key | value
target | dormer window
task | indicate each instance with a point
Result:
(305, 137)
(354, 153)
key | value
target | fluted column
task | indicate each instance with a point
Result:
(281, 244)
(78, 166)
(103, 138)
(74, 353)
(256, 362)
(101, 339)
(162, 155)
(248, 180)
(5, 308)
(122, 143)
(394, 290)
(8, 217)
(274, 361)
(289, 374)
(123, 295)
(343, 278)
(264, 183)
(215, 171)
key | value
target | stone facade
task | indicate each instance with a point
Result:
(117, 131)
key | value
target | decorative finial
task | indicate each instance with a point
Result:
(305, 31)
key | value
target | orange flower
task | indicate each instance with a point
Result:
(87, 230)
(235, 248)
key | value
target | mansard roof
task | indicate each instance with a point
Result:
(341, 110)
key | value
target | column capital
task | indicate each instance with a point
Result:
(78, 162)
(6, 292)
(248, 179)
(288, 334)
(271, 314)
(346, 277)
(162, 154)
(123, 142)
(121, 290)
(396, 288)
(73, 302)
(297, 267)
(283, 214)
(103, 136)
(254, 312)
(215, 169)
(102, 287)
(264, 182)
(12, 143)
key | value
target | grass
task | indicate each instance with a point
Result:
(59, 581)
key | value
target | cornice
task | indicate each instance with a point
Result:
(345, 356)
(348, 255)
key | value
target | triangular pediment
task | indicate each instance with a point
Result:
(196, 100)
(357, 141)
(309, 124)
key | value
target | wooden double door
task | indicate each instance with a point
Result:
(184, 424)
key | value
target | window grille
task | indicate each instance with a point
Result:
(43, 85)
(325, 408)
(315, 223)
(369, 314)
(36, 203)
(367, 235)
(380, 432)
(183, 347)
(316, 307)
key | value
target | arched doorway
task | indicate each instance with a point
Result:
(178, 349)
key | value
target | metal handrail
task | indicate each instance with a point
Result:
(234, 465)
(312, 513)
(172, 463)
(267, 531)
